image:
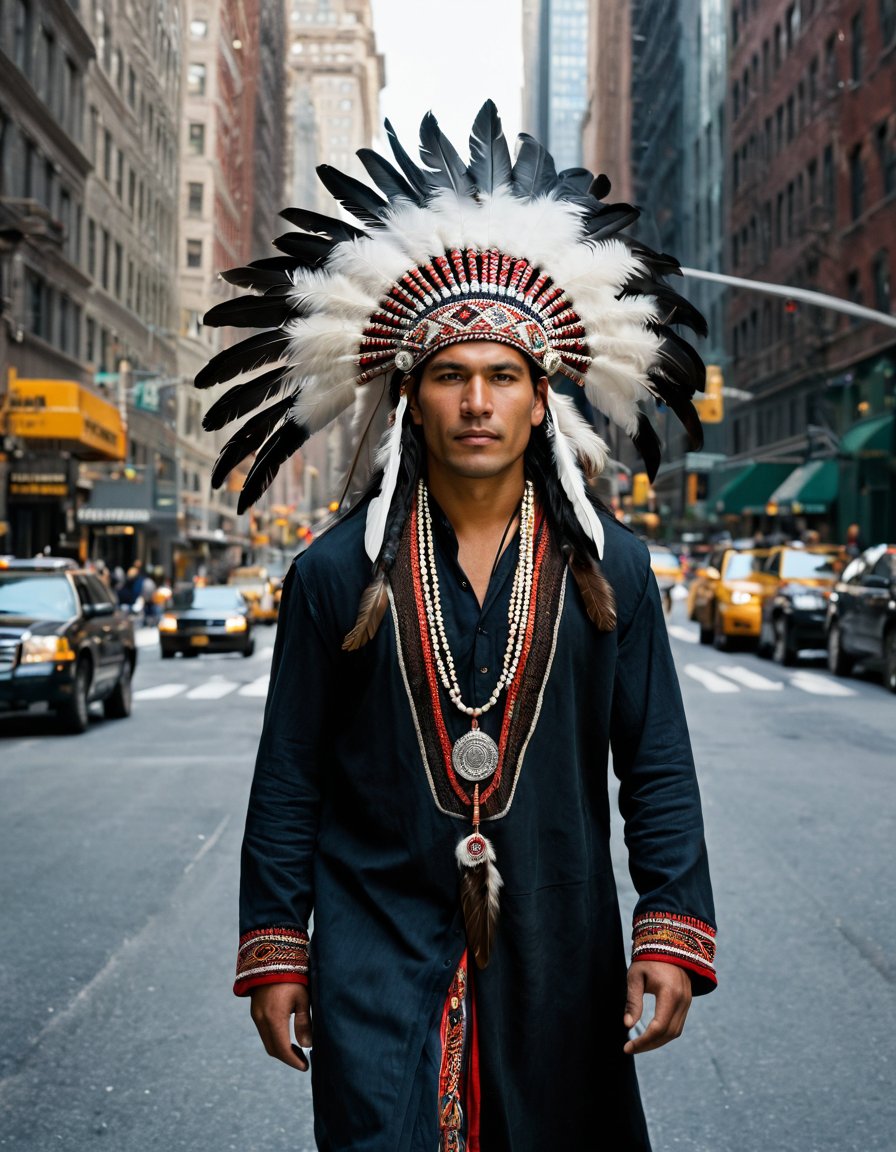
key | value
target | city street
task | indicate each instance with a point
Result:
(119, 852)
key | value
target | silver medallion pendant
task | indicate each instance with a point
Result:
(475, 756)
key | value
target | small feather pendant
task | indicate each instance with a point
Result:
(480, 886)
(370, 614)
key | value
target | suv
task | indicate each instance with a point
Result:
(64, 641)
(797, 581)
(861, 617)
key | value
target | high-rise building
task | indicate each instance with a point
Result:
(555, 56)
(812, 168)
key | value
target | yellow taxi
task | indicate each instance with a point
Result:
(725, 597)
(668, 572)
(259, 590)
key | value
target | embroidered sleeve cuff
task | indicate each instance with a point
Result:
(271, 956)
(680, 940)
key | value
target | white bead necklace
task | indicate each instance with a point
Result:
(475, 755)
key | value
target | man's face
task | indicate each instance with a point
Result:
(477, 406)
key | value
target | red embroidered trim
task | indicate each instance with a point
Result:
(451, 1069)
(432, 677)
(270, 956)
(682, 940)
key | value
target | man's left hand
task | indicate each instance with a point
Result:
(670, 986)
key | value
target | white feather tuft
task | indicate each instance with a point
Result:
(590, 449)
(573, 484)
(388, 457)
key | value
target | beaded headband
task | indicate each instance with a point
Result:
(497, 249)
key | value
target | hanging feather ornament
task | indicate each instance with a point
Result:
(573, 482)
(480, 887)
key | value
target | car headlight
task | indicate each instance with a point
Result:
(739, 597)
(809, 601)
(167, 623)
(235, 624)
(46, 650)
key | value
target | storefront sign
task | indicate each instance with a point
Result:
(66, 413)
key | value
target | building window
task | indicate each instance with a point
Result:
(886, 152)
(104, 259)
(196, 80)
(858, 48)
(831, 72)
(196, 139)
(828, 180)
(107, 155)
(880, 273)
(856, 182)
(199, 29)
(194, 253)
(91, 248)
(23, 33)
(194, 199)
(854, 291)
(888, 20)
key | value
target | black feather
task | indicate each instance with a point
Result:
(648, 445)
(417, 178)
(678, 310)
(534, 173)
(600, 187)
(249, 438)
(439, 154)
(309, 251)
(681, 405)
(357, 198)
(243, 398)
(250, 312)
(679, 360)
(309, 221)
(264, 348)
(657, 263)
(387, 178)
(574, 183)
(288, 438)
(490, 164)
(258, 278)
(611, 218)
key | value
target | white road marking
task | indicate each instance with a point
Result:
(750, 679)
(258, 687)
(208, 844)
(709, 679)
(160, 692)
(213, 689)
(681, 633)
(819, 685)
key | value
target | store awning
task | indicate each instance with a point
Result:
(811, 488)
(66, 415)
(748, 492)
(869, 438)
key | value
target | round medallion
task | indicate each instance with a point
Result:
(552, 361)
(404, 360)
(475, 756)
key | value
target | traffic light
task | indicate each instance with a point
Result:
(640, 489)
(710, 406)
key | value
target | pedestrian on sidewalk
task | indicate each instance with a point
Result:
(459, 659)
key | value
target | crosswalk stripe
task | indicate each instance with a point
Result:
(709, 679)
(258, 687)
(819, 685)
(212, 690)
(750, 679)
(159, 692)
(681, 633)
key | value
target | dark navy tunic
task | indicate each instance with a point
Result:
(342, 822)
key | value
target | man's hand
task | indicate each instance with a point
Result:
(272, 1006)
(670, 985)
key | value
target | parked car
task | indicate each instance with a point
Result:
(261, 590)
(210, 618)
(861, 615)
(64, 641)
(725, 598)
(797, 582)
(668, 572)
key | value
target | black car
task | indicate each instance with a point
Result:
(794, 614)
(213, 618)
(861, 621)
(64, 642)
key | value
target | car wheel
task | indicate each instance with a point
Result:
(763, 645)
(117, 705)
(838, 661)
(75, 714)
(249, 650)
(782, 651)
(890, 661)
(719, 639)
(705, 635)
(191, 654)
(167, 655)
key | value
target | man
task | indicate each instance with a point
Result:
(456, 660)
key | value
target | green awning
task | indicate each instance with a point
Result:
(749, 491)
(873, 437)
(811, 488)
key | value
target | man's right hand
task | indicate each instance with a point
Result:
(272, 1006)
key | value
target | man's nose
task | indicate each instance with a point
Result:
(477, 396)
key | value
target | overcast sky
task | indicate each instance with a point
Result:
(449, 57)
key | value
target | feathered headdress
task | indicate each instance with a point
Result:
(497, 249)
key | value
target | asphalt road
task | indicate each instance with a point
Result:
(119, 856)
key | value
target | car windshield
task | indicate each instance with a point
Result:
(38, 596)
(801, 565)
(663, 559)
(246, 579)
(740, 565)
(218, 599)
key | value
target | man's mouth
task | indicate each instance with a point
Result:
(476, 436)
